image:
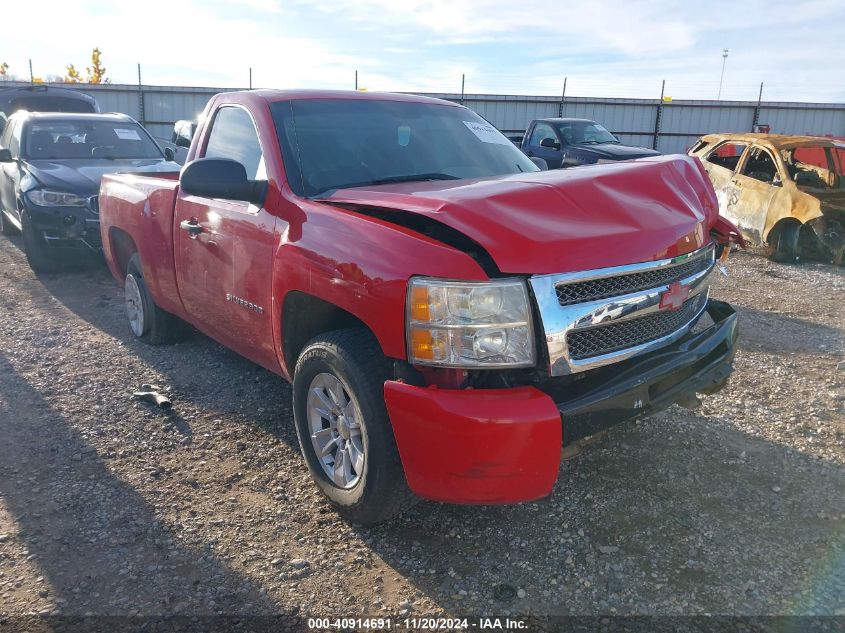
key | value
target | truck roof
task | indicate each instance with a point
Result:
(283, 95)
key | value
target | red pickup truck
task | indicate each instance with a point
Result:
(449, 315)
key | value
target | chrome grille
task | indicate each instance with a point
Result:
(596, 317)
(605, 339)
(606, 287)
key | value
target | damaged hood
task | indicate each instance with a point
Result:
(563, 220)
(614, 151)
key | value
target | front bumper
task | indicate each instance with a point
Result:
(495, 446)
(66, 227)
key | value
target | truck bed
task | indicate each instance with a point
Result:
(142, 206)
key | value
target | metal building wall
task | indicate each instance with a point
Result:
(681, 122)
(633, 120)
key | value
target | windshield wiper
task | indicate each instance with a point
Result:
(414, 178)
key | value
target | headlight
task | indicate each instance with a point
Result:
(44, 198)
(469, 324)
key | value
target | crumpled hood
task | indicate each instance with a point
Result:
(614, 151)
(82, 176)
(564, 220)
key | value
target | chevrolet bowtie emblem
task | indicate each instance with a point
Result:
(674, 296)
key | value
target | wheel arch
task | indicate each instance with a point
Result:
(304, 316)
(121, 248)
(771, 237)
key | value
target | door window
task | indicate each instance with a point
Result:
(726, 155)
(233, 136)
(541, 131)
(760, 165)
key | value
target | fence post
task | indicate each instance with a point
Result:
(141, 108)
(463, 78)
(658, 116)
(562, 107)
(757, 109)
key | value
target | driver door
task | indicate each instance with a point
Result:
(224, 249)
(752, 188)
(553, 157)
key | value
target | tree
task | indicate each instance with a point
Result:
(96, 71)
(72, 76)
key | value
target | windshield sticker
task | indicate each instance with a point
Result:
(486, 133)
(127, 135)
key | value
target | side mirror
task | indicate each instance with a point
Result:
(6, 156)
(169, 154)
(540, 162)
(550, 143)
(182, 141)
(221, 178)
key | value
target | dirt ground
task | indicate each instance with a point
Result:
(109, 507)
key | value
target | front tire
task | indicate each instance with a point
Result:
(148, 322)
(343, 427)
(785, 243)
(38, 255)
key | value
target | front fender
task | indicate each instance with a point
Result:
(361, 265)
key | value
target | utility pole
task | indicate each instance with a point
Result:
(757, 109)
(141, 109)
(722, 76)
(463, 79)
(356, 80)
(659, 115)
(562, 107)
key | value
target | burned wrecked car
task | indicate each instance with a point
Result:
(783, 192)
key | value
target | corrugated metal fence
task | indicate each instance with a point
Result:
(670, 126)
(677, 123)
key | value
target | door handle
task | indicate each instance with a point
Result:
(191, 226)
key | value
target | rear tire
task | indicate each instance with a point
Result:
(148, 322)
(785, 243)
(38, 254)
(349, 426)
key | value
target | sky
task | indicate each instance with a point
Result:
(603, 49)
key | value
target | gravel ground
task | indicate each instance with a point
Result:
(109, 507)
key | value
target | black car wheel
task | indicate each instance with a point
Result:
(343, 427)
(148, 322)
(784, 243)
(38, 254)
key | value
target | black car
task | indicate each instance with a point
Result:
(41, 98)
(571, 142)
(50, 170)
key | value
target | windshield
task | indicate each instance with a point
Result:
(584, 133)
(58, 139)
(816, 167)
(335, 143)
